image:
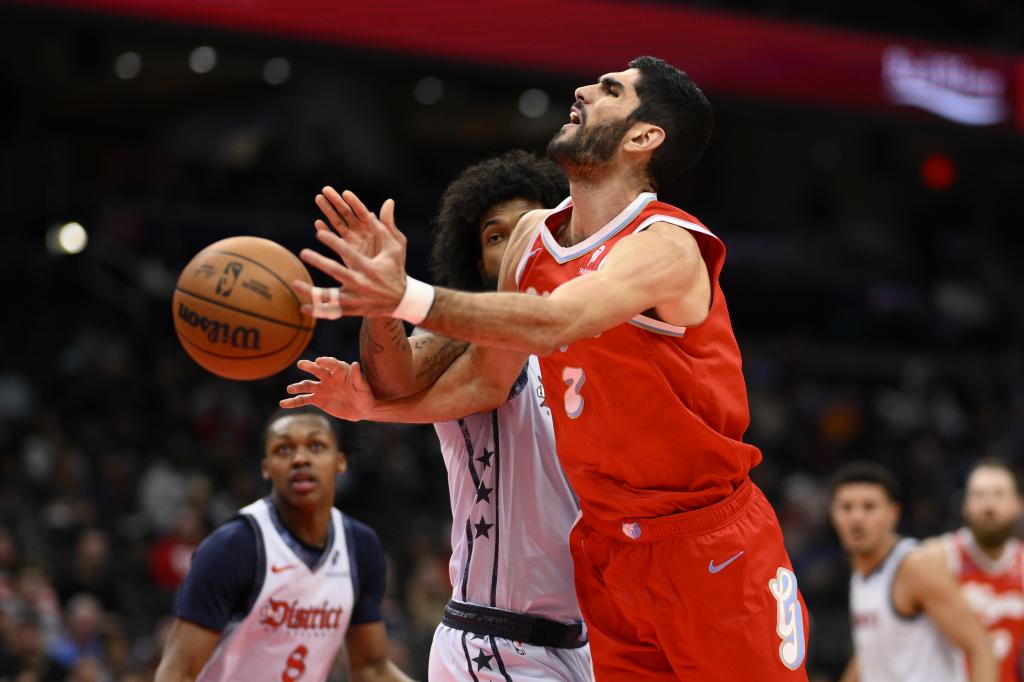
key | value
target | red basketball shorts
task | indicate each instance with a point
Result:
(701, 596)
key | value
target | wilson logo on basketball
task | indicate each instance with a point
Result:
(222, 332)
(278, 614)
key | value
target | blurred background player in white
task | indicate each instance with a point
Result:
(276, 591)
(513, 611)
(909, 619)
(988, 561)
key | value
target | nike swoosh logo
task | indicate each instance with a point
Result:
(278, 569)
(712, 569)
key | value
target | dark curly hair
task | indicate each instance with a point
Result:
(516, 174)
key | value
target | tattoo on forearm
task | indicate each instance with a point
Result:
(367, 342)
(368, 350)
(397, 329)
(437, 361)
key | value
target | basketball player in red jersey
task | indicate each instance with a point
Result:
(679, 562)
(989, 562)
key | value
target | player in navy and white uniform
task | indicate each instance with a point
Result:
(513, 613)
(275, 592)
(910, 621)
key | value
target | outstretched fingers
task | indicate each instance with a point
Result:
(337, 218)
(329, 267)
(358, 208)
(331, 364)
(297, 401)
(316, 370)
(348, 253)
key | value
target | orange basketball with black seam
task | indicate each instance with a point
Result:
(234, 311)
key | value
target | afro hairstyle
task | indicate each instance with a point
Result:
(513, 175)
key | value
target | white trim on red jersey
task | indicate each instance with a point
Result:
(564, 254)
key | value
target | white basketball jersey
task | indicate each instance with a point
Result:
(890, 647)
(298, 621)
(512, 508)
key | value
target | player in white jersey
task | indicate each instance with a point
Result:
(513, 613)
(909, 619)
(274, 593)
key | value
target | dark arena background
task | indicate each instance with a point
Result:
(866, 174)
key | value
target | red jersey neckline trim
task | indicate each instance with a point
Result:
(564, 254)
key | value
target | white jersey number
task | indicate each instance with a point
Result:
(573, 378)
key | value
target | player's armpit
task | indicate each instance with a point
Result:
(924, 583)
(188, 648)
(368, 661)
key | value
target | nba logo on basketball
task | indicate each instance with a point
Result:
(227, 281)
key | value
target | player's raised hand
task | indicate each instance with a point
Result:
(348, 218)
(371, 286)
(340, 389)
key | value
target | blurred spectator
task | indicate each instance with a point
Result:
(90, 571)
(171, 555)
(83, 639)
(8, 563)
(28, 658)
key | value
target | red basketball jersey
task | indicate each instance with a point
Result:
(648, 416)
(995, 590)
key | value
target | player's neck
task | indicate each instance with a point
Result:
(993, 553)
(595, 204)
(865, 563)
(310, 527)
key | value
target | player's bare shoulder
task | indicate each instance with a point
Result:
(518, 242)
(526, 228)
(677, 236)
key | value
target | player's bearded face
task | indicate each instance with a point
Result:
(586, 150)
(991, 506)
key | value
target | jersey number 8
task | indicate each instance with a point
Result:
(296, 664)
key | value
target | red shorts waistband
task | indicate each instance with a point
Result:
(681, 525)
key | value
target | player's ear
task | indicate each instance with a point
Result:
(264, 469)
(644, 137)
(342, 462)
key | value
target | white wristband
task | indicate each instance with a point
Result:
(416, 301)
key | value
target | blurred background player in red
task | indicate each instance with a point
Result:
(679, 558)
(988, 561)
(275, 592)
(513, 606)
(909, 619)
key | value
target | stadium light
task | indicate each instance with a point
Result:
(128, 65)
(67, 239)
(533, 103)
(202, 59)
(277, 70)
(428, 90)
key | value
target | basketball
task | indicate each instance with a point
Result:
(234, 311)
